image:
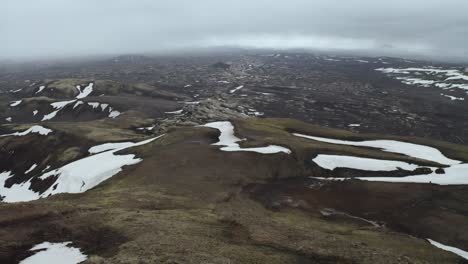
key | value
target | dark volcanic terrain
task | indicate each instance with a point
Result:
(246, 157)
(325, 90)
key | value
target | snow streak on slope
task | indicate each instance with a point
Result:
(55, 253)
(31, 168)
(78, 176)
(34, 129)
(78, 104)
(15, 103)
(236, 89)
(454, 250)
(229, 140)
(58, 106)
(41, 88)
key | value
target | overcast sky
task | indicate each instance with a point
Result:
(51, 28)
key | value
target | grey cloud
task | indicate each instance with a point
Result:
(48, 28)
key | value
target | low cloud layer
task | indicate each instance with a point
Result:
(53, 28)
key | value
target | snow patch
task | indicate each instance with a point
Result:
(86, 91)
(236, 89)
(94, 104)
(332, 162)
(86, 173)
(146, 128)
(228, 140)
(434, 76)
(409, 149)
(57, 106)
(114, 114)
(34, 129)
(31, 168)
(453, 98)
(78, 176)
(17, 192)
(15, 103)
(50, 115)
(176, 112)
(192, 103)
(104, 106)
(61, 253)
(41, 88)
(62, 104)
(454, 175)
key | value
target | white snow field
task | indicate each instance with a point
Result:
(332, 162)
(455, 174)
(55, 253)
(17, 192)
(78, 176)
(34, 129)
(454, 250)
(85, 92)
(229, 140)
(409, 149)
(442, 78)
